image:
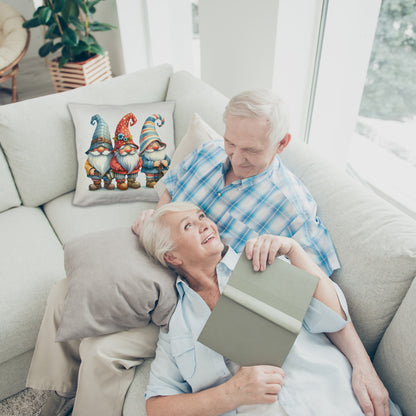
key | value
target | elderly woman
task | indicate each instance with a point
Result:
(187, 378)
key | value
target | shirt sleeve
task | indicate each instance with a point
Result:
(319, 318)
(315, 240)
(173, 178)
(165, 378)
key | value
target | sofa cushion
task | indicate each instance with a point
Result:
(134, 403)
(394, 359)
(198, 133)
(111, 127)
(70, 221)
(195, 96)
(31, 260)
(9, 196)
(43, 127)
(374, 241)
(113, 286)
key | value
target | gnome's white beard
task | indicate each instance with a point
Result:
(100, 162)
(159, 154)
(128, 161)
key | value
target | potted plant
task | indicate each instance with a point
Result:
(68, 32)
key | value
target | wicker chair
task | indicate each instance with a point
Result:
(14, 42)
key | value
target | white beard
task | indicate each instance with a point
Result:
(128, 162)
(100, 162)
(159, 154)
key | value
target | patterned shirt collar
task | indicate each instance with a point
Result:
(252, 180)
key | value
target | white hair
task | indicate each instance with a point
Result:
(263, 104)
(155, 234)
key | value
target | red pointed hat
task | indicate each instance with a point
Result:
(122, 134)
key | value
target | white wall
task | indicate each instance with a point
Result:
(238, 42)
(296, 41)
(349, 35)
(263, 44)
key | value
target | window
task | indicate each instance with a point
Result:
(383, 147)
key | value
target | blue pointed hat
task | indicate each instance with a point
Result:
(101, 136)
(149, 134)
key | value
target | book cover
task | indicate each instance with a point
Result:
(259, 314)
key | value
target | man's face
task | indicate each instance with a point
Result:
(247, 146)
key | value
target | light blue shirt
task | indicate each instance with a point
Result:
(317, 375)
(272, 202)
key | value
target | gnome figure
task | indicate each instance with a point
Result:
(126, 161)
(153, 151)
(97, 166)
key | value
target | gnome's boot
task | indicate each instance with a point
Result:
(122, 185)
(150, 183)
(133, 184)
(94, 186)
(108, 185)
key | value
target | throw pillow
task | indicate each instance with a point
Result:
(122, 151)
(113, 285)
(198, 133)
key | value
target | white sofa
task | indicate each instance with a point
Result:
(376, 243)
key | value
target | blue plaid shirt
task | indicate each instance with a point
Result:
(272, 202)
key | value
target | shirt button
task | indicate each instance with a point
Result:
(219, 194)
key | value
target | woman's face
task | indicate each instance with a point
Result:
(195, 236)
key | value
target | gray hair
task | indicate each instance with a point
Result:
(261, 103)
(156, 236)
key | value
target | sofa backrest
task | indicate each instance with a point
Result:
(191, 95)
(375, 242)
(376, 245)
(9, 198)
(38, 136)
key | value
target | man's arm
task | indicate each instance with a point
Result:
(368, 388)
(165, 198)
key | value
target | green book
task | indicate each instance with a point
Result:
(259, 314)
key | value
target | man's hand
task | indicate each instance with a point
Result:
(255, 385)
(371, 394)
(141, 219)
(264, 249)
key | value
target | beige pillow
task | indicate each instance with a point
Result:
(113, 285)
(198, 133)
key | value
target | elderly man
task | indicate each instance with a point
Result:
(241, 185)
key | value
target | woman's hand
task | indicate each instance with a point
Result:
(255, 385)
(141, 219)
(264, 249)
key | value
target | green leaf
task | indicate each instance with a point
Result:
(58, 5)
(34, 22)
(77, 23)
(100, 27)
(52, 32)
(57, 46)
(45, 49)
(92, 3)
(44, 15)
(66, 52)
(70, 37)
(70, 9)
(96, 48)
(81, 5)
(82, 47)
(62, 61)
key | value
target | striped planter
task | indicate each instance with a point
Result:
(78, 74)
